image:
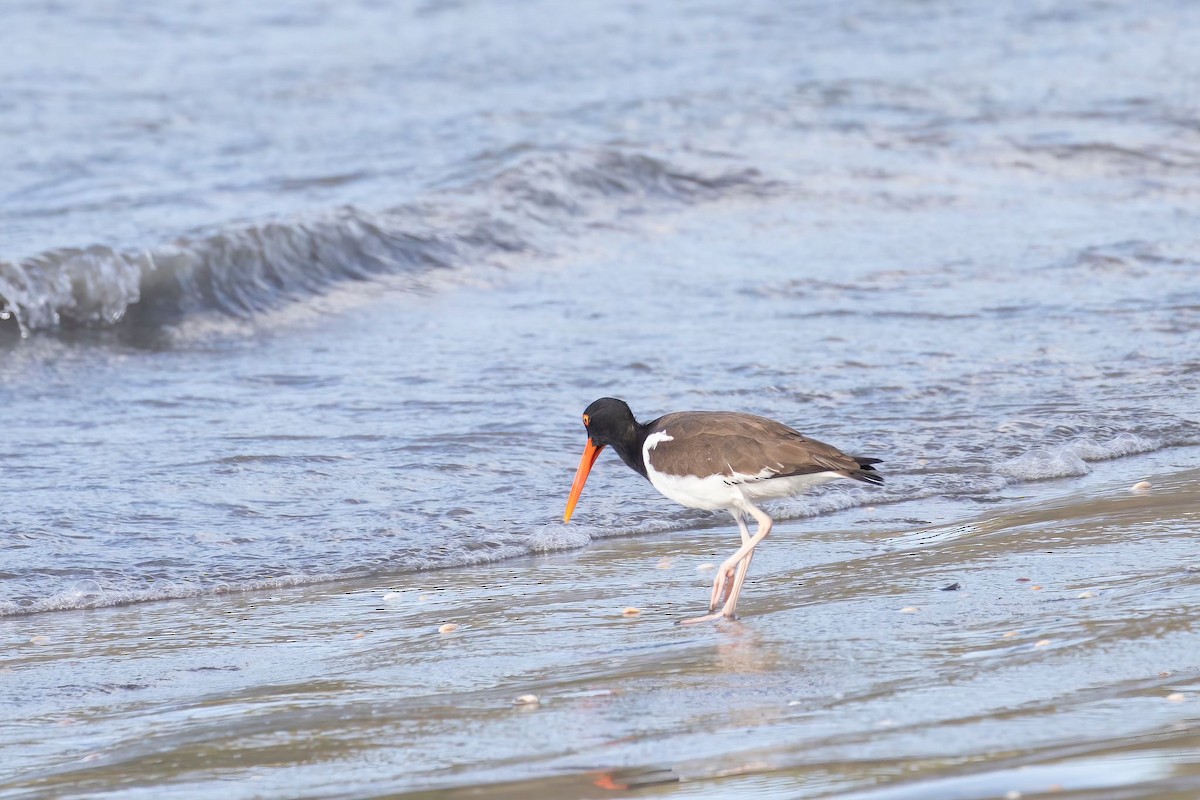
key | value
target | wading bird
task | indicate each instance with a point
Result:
(716, 460)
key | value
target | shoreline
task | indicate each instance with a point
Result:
(848, 652)
(836, 516)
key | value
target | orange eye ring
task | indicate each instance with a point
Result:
(587, 420)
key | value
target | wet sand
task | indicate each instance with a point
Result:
(1065, 664)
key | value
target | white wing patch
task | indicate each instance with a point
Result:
(736, 477)
(652, 442)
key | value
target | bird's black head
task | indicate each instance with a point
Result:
(609, 422)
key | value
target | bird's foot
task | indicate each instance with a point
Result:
(706, 618)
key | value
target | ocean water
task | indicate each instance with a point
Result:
(298, 292)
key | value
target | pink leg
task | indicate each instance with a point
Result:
(735, 592)
(727, 584)
(722, 589)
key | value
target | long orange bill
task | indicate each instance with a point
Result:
(590, 453)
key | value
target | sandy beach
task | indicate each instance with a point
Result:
(1063, 664)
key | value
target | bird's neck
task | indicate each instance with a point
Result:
(630, 447)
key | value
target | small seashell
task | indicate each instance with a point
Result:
(39, 639)
(665, 563)
(392, 596)
(1010, 634)
(706, 567)
(359, 635)
(1086, 595)
(1177, 697)
(1024, 580)
(909, 610)
(631, 612)
(1035, 588)
(1012, 795)
(449, 627)
(527, 700)
(1042, 643)
(1141, 486)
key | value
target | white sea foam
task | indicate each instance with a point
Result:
(558, 536)
(1071, 459)
(1123, 444)
(91, 594)
(1037, 465)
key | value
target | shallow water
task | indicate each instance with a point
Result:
(1066, 658)
(309, 297)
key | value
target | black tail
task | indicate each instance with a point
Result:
(865, 471)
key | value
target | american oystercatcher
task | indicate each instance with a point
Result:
(714, 460)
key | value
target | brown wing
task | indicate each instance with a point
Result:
(707, 443)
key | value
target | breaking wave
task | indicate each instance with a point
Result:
(523, 203)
